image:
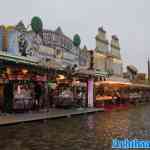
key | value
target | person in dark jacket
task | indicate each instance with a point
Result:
(38, 94)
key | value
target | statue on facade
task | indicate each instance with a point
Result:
(23, 44)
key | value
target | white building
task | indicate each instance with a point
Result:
(101, 50)
(117, 67)
(107, 55)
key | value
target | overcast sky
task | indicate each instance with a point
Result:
(128, 19)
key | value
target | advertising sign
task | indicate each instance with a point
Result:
(13, 46)
(1, 39)
(70, 59)
(45, 52)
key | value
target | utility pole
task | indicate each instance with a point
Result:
(148, 65)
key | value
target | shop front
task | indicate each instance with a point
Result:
(22, 84)
(86, 79)
(29, 94)
(71, 90)
(69, 94)
(111, 94)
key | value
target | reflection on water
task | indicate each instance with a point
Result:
(88, 132)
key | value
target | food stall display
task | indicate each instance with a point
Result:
(111, 95)
(63, 97)
(22, 97)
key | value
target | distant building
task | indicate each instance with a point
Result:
(17, 40)
(9, 37)
(101, 49)
(1, 37)
(102, 43)
(133, 75)
(63, 45)
(107, 56)
(117, 67)
(131, 72)
(140, 77)
(84, 58)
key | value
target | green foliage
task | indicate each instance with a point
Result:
(76, 40)
(36, 24)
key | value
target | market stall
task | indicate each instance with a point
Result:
(20, 76)
(111, 94)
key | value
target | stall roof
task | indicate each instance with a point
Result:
(120, 84)
(28, 61)
(85, 72)
(115, 82)
(99, 72)
(118, 79)
(17, 59)
(140, 85)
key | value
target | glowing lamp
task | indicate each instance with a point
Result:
(24, 71)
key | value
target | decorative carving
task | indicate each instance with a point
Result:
(23, 44)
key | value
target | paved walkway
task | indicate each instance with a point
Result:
(42, 115)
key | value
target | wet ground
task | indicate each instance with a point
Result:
(85, 132)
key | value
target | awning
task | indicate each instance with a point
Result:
(115, 81)
(85, 72)
(17, 59)
(139, 86)
(101, 73)
(118, 79)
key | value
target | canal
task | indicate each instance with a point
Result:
(86, 132)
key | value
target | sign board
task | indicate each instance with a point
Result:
(100, 72)
(45, 52)
(70, 58)
(13, 46)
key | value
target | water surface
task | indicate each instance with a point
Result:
(85, 132)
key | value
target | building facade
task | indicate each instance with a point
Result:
(117, 67)
(51, 46)
(101, 49)
(63, 46)
(107, 55)
(84, 58)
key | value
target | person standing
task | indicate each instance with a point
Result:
(38, 93)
